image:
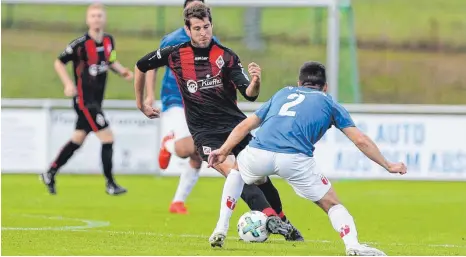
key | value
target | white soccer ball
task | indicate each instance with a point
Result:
(252, 227)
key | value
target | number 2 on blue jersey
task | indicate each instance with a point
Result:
(284, 111)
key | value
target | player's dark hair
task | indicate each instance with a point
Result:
(197, 10)
(312, 74)
(186, 2)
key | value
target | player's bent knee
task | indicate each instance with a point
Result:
(78, 137)
(329, 200)
(184, 147)
(105, 136)
(195, 162)
(227, 166)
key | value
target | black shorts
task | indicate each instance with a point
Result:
(90, 119)
(210, 142)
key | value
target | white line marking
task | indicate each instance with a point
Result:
(89, 223)
(94, 224)
(271, 239)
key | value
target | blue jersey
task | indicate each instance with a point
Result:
(295, 118)
(170, 93)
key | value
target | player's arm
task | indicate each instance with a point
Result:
(121, 70)
(151, 61)
(69, 54)
(116, 66)
(249, 89)
(343, 121)
(151, 75)
(238, 134)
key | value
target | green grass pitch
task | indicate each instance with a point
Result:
(399, 217)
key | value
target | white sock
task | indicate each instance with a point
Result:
(170, 146)
(343, 223)
(231, 193)
(188, 179)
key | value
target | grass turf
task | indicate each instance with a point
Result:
(387, 76)
(401, 218)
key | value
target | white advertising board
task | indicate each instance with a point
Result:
(23, 139)
(135, 149)
(432, 146)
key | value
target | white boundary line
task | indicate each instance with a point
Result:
(90, 224)
(272, 239)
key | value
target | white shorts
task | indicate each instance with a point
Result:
(299, 170)
(173, 120)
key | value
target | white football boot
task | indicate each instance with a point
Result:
(363, 250)
(217, 239)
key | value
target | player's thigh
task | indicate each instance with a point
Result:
(101, 127)
(79, 136)
(255, 164)
(184, 147)
(303, 174)
(105, 135)
(91, 119)
(174, 120)
(225, 167)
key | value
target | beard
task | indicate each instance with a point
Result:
(201, 44)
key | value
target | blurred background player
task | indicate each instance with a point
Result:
(208, 75)
(292, 122)
(176, 137)
(92, 55)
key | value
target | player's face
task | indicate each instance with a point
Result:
(200, 32)
(95, 19)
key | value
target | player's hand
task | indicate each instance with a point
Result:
(128, 75)
(399, 168)
(70, 90)
(149, 101)
(254, 70)
(216, 157)
(150, 111)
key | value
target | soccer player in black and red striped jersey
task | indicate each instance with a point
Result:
(92, 55)
(208, 75)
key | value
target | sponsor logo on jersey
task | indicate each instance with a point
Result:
(201, 58)
(95, 69)
(208, 82)
(192, 86)
(207, 150)
(69, 50)
(220, 62)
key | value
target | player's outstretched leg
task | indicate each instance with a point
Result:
(48, 178)
(234, 187)
(230, 195)
(273, 197)
(343, 223)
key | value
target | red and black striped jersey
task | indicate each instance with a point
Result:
(207, 79)
(91, 62)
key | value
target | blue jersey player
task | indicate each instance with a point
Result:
(291, 123)
(176, 137)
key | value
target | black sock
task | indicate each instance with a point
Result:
(107, 162)
(256, 200)
(273, 197)
(65, 154)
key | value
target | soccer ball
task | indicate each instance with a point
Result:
(252, 227)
